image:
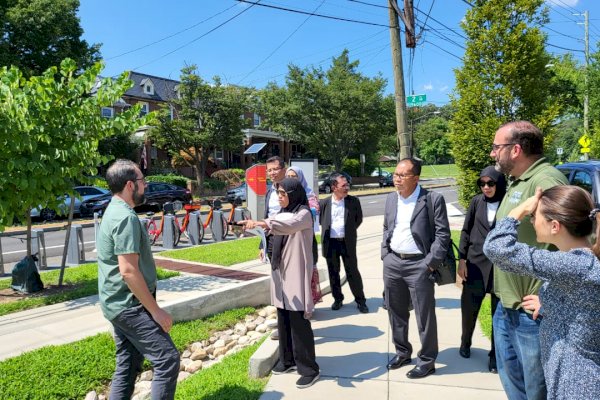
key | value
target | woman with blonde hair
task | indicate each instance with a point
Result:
(570, 326)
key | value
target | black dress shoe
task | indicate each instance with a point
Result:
(336, 305)
(465, 352)
(398, 361)
(492, 365)
(420, 372)
(362, 307)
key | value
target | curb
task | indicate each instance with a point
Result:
(265, 357)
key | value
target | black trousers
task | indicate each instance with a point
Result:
(407, 280)
(473, 293)
(337, 250)
(296, 342)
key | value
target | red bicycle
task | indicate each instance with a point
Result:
(154, 232)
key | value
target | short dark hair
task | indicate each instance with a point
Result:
(416, 165)
(276, 159)
(119, 173)
(526, 135)
(333, 178)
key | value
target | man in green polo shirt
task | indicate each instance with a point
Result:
(518, 151)
(127, 289)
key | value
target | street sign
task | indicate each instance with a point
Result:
(585, 150)
(584, 141)
(559, 150)
(416, 100)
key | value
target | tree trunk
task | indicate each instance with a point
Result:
(199, 177)
(67, 238)
(28, 238)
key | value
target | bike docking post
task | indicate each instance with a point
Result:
(1, 258)
(38, 246)
(168, 233)
(194, 228)
(216, 226)
(96, 229)
(76, 247)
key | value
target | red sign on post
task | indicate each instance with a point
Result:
(256, 179)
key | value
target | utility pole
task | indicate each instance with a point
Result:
(586, 123)
(403, 135)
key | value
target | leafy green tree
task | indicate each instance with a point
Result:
(38, 34)
(49, 133)
(333, 113)
(432, 142)
(504, 77)
(208, 118)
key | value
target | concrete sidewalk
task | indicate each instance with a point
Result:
(353, 349)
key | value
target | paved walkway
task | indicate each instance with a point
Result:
(352, 348)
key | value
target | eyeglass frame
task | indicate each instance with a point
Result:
(403, 176)
(274, 170)
(496, 147)
(282, 193)
(489, 184)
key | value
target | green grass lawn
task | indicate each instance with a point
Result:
(70, 371)
(84, 277)
(434, 171)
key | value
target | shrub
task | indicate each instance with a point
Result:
(176, 180)
(351, 166)
(214, 184)
(232, 177)
(100, 182)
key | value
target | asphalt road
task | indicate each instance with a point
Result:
(13, 247)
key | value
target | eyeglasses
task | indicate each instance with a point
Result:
(271, 170)
(143, 179)
(496, 147)
(403, 176)
(282, 193)
(488, 184)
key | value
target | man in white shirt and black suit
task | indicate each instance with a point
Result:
(340, 216)
(412, 247)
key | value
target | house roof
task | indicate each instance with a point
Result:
(164, 89)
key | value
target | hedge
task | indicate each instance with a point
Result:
(176, 180)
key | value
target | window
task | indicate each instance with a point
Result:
(583, 180)
(145, 108)
(107, 112)
(219, 154)
(256, 120)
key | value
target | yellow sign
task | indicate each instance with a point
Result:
(585, 142)
(585, 150)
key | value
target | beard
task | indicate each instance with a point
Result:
(504, 165)
(138, 198)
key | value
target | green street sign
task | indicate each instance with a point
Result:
(416, 100)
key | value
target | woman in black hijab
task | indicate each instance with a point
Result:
(291, 273)
(475, 270)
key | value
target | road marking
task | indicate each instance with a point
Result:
(372, 202)
(47, 247)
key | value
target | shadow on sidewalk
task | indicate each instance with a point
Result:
(365, 365)
(351, 333)
(453, 364)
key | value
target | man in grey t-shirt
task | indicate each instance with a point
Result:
(127, 290)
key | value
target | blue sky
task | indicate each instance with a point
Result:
(258, 43)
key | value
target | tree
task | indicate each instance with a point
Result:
(208, 118)
(49, 133)
(503, 78)
(38, 34)
(432, 142)
(331, 113)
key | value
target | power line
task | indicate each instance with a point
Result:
(444, 50)
(369, 4)
(563, 48)
(442, 24)
(281, 44)
(198, 38)
(170, 36)
(315, 15)
(563, 34)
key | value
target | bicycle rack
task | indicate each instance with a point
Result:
(168, 230)
(194, 228)
(76, 247)
(38, 246)
(215, 226)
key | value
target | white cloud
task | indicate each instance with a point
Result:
(563, 3)
(428, 87)
(444, 88)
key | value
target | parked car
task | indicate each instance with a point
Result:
(156, 193)
(386, 179)
(585, 174)
(84, 192)
(241, 192)
(325, 181)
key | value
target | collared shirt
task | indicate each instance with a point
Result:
(509, 287)
(402, 240)
(338, 209)
(274, 206)
(121, 232)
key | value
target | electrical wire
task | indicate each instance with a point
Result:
(444, 50)
(564, 48)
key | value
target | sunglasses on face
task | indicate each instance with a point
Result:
(282, 193)
(488, 184)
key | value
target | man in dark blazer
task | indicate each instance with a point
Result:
(340, 216)
(413, 246)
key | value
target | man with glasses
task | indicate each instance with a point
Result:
(517, 149)
(127, 289)
(340, 216)
(413, 245)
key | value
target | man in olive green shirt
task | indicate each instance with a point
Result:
(127, 289)
(518, 149)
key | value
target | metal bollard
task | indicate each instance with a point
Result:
(167, 233)
(96, 229)
(193, 228)
(1, 258)
(38, 246)
(145, 222)
(216, 226)
(76, 247)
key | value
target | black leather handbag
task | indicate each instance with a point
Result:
(446, 271)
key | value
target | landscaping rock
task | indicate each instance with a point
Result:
(259, 320)
(270, 310)
(184, 363)
(194, 367)
(146, 375)
(219, 343)
(199, 354)
(91, 395)
(262, 328)
(142, 386)
(262, 313)
(243, 340)
(145, 395)
(182, 375)
(250, 326)
(186, 354)
(271, 323)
